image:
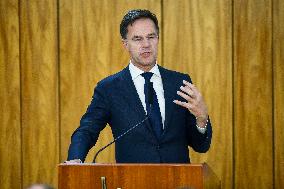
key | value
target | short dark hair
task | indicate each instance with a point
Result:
(134, 15)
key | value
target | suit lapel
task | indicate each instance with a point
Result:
(170, 90)
(129, 92)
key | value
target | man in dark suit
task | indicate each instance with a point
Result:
(177, 114)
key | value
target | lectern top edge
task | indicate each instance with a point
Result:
(136, 164)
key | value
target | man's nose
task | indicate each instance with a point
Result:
(146, 43)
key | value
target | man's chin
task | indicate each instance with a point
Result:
(149, 65)
(145, 63)
(149, 62)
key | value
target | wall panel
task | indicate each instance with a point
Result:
(253, 94)
(90, 49)
(39, 90)
(278, 57)
(10, 126)
(83, 61)
(197, 41)
(53, 52)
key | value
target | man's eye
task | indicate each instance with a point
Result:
(151, 37)
(137, 39)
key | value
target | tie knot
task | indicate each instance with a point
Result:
(147, 76)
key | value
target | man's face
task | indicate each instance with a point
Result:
(142, 43)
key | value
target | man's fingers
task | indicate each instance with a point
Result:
(188, 91)
(185, 96)
(192, 87)
(183, 104)
(195, 103)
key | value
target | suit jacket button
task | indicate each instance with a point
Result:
(158, 147)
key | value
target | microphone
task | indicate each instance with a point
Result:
(150, 100)
(117, 138)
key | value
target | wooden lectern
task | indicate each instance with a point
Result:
(137, 176)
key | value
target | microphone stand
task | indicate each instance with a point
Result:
(117, 138)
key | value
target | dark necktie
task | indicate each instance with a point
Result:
(155, 117)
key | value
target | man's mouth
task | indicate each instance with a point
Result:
(145, 54)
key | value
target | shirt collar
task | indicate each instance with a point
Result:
(135, 71)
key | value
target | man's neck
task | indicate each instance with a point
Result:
(145, 68)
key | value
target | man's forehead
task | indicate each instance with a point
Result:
(141, 27)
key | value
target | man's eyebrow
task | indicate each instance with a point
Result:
(136, 36)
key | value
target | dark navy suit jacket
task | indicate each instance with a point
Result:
(116, 101)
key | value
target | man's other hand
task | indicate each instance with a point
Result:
(194, 103)
(73, 161)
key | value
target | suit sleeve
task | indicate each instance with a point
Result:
(198, 141)
(92, 122)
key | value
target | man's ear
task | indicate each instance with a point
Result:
(125, 44)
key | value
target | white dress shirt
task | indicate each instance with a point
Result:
(156, 79)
